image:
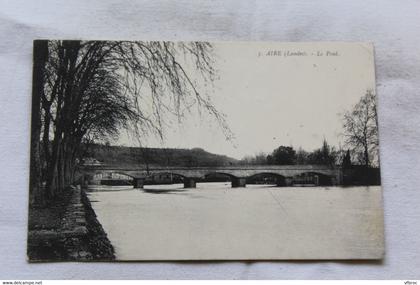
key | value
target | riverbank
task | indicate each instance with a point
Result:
(67, 230)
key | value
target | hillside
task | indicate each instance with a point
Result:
(120, 155)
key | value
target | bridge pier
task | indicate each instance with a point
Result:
(316, 180)
(280, 183)
(238, 182)
(189, 183)
(138, 183)
(85, 180)
(288, 181)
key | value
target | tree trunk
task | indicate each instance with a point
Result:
(40, 55)
(52, 182)
(366, 152)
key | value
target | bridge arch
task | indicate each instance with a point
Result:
(110, 174)
(220, 174)
(124, 174)
(313, 178)
(235, 180)
(166, 177)
(267, 178)
(106, 178)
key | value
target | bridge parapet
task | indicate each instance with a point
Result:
(238, 174)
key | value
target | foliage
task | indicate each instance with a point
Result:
(361, 130)
(257, 159)
(302, 156)
(347, 160)
(286, 155)
(134, 156)
(324, 155)
(282, 155)
(90, 90)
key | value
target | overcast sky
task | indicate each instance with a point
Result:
(271, 99)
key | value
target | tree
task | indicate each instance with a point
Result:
(90, 90)
(302, 156)
(259, 158)
(347, 160)
(39, 58)
(361, 129)
(283, 155)
(325, 155)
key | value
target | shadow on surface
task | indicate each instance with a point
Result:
(164, 191)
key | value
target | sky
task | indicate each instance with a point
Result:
(274, 94)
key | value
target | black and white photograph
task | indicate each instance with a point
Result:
(163, 150)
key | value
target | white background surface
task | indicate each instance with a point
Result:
(394, 28)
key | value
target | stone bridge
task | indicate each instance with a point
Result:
(285, 175)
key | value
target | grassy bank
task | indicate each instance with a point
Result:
(67, 229)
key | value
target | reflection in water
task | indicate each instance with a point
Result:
(171, 187)
(94, 188)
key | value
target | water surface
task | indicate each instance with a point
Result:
(215, 221)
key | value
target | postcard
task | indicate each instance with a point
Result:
(160, 150)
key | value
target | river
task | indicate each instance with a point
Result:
(215, 221)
